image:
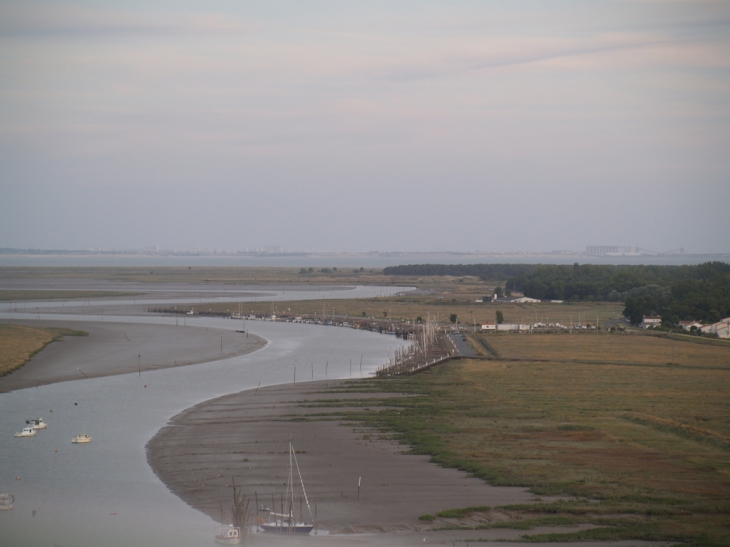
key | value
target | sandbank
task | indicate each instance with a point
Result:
(123, 348)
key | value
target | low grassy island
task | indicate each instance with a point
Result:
(18, 344)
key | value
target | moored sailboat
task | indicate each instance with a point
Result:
(285, 522)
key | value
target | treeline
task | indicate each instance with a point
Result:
(705, 300)
(700, 292)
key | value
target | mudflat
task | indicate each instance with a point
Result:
(246, 435)
(123, 348)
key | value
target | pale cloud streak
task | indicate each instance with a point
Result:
(295, 106)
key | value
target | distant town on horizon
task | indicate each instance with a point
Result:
(607, 251)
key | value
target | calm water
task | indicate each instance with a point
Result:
(97, 304)
(340, 261)
(74, 489)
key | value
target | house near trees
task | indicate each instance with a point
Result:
(651, 321)
(687, 325)
(721, 328)
(516, 300)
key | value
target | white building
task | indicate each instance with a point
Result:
(505, 327)
(512, 327)
(721, 328)
(651, 321)
(687, 325)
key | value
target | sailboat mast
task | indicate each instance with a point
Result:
(291, 482)
(304, 491)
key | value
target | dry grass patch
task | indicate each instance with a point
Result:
(18, 344)
(408, 307)
(609, 348)
(15, 295)
(645, 441)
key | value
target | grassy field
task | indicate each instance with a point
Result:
(16, 295)
(18, 344)
(643, 450)
(610, 349)
(411, 306)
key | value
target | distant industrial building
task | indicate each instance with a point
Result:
(611, 250)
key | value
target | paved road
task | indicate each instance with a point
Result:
(462, 346)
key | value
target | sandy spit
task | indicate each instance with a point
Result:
(123, 348)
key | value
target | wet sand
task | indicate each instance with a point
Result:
(123, 348)
(245, 435)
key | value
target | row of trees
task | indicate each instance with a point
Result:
(700, 292)
(705, 300)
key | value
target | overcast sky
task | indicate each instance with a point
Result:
(359, 126)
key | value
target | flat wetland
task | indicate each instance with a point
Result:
(627, 348)
(18, 343)
(639, 452)
(626, 436)
(427, 304)
(15, 295)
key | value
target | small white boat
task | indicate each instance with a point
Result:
(229, 535)
(37, 424)
(27, 432)
(6, 501)
(81, 438)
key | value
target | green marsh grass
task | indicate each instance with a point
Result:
(638, 451)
